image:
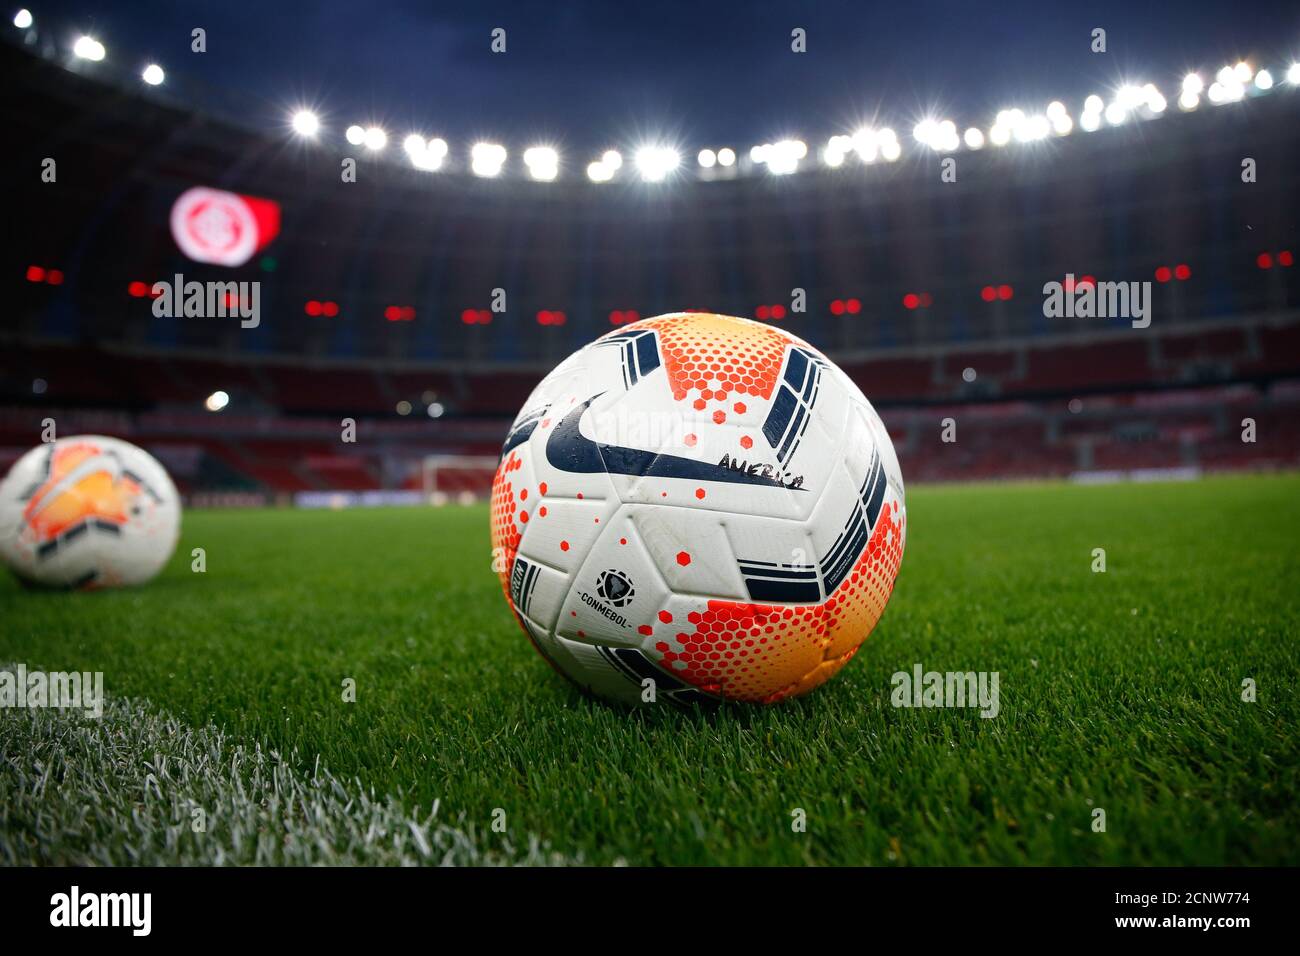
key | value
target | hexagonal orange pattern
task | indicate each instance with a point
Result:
(714, 356)
(766, 652)
(505, 532)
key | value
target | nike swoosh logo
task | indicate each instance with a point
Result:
(569, 450)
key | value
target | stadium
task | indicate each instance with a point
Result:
(334, 430)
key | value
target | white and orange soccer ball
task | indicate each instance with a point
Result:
(698, 507)
(88, 512)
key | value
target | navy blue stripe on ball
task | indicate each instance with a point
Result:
(795, 368)
(783, 591)
(779, 417)
(647, 353)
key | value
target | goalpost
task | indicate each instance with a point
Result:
(459, 479)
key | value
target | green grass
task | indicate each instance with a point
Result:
(1119, 690)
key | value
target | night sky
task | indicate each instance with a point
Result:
(585, 75)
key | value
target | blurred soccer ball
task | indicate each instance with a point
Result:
(698, 507)
(88, 511)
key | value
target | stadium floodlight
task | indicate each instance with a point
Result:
(486, 159)
(864, 144)
(1157, 104)
(306, 123)
(1264, 80)
(707, 158)
(974, 138)
(1192, 83)
(1226, 88)
(948, 140)
(1293, 74)
(216, 401)
(890, 149)
(153, 74)
(1033, 129)
(355, 135)
(1116, 113)
(938, 135)
(1188, 100)
(783, 157)
(543, 163)
(425, 154)
(1229, 85)
(726, 156)
(1089, 121)
(1094, 104)
(925, 132)
(1012, 119)
(603, 170)
(541, 156)
(1060, 119)
(375, 139)
(1131, 96)
(1007, 125)
(837, 148)
(654, 163)
(23, 19)
(435, 151)
(88, 48)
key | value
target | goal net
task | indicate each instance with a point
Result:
(457, 479)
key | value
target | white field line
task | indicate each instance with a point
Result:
(132, 787)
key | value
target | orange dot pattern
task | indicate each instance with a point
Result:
(764, 653)
(505, 532)
(713, 357)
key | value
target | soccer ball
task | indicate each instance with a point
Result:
(697, 507)
(88, 512)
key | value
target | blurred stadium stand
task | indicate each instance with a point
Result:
(1032, 396)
